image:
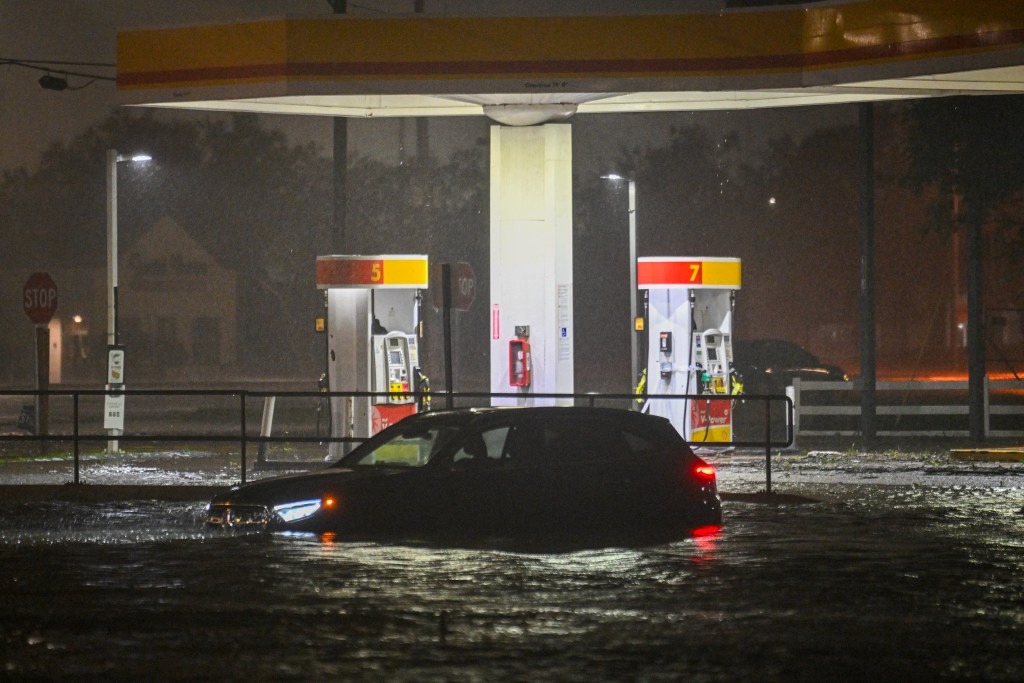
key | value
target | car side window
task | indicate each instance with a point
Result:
(567, 440)
(483, 447)
(413, 448)
(525, 442)
(637, 443)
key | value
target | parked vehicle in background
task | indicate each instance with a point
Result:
(488, 472)
(768, 366)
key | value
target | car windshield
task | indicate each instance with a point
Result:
(410, 447)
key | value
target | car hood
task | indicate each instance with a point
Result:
(301, 486)
(806, 371)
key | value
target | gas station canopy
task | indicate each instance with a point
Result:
(527, 70)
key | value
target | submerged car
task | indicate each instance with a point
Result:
(492, 472)
(768, 366)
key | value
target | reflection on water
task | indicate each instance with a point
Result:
(886, 582)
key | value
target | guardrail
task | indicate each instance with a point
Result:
(940, 408)
(228, 415)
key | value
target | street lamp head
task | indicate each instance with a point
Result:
(132, 157)
(614, 176)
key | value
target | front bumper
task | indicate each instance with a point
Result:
(227, 515)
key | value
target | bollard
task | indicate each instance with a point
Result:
(241, 397)
(74, 403)
(266, 427)
(767, 446)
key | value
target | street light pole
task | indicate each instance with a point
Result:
(112, 159)
(112, 337)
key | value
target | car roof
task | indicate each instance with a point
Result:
(767, 342)
(527, 412)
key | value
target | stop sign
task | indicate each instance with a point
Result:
(40, 298)
(463, 286)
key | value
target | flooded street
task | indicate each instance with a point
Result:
(903, 571)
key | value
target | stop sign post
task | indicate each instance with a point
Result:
(457, 290)
(39, 298)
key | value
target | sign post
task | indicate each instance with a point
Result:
(113, 402)
(457, 290)
(39, 299)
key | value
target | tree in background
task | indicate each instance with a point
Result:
(964, 154)
(964, 158)
(258, 205)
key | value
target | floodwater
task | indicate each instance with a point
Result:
(901, 572)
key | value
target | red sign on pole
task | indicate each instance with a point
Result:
(463, 286)
(40, 298)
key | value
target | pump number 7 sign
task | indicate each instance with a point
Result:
(688, 272)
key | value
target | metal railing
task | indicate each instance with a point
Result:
(234, 413)
(940, 410)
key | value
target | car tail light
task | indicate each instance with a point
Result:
(706, 531)
(702, 470)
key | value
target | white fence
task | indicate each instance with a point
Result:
(939, 409)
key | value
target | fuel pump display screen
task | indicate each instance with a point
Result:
(396, 357)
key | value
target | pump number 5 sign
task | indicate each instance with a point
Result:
(371, 272)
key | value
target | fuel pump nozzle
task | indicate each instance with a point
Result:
(703, 379)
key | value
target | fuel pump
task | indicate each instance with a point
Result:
(395, 362)
(374, 333)
(690, 303)
(712, 352)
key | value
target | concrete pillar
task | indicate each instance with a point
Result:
(531, 256)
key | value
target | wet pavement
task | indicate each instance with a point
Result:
(196, 471)
(907, 568)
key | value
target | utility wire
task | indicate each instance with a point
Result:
(49, 66)
(54, 61)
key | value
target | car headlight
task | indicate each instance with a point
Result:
(300, 509)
